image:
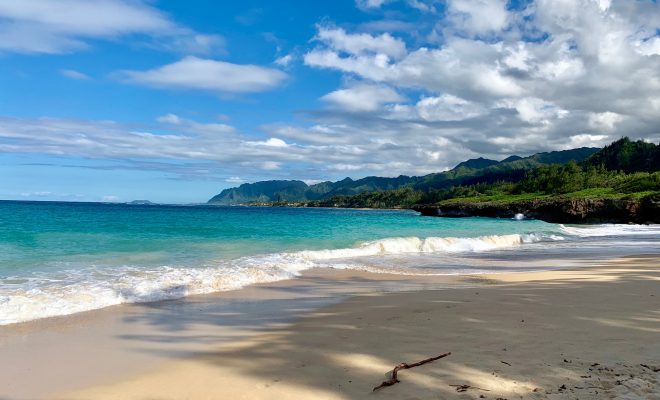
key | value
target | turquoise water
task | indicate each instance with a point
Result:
(42, 236)
(60, 258)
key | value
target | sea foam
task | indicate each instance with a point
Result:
(71, 291)
(610, 230)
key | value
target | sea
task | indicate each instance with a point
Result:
(60, 258)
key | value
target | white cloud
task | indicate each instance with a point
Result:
(362, 97)
(605, 121)
(590, 75)
(110, 198)
(208, 75)
(361, 43)
(195, 43)
(235, 180)
(46, 26)
(267, 165)
(648, 46)
(369, 4)
(478, 17)
(586, 140)
(36, 194)
(272, 142)
(172, 119)
(73, 74)
(534, 110)
(285, 60)
(591, 69)
(447, 108)
(422, 6)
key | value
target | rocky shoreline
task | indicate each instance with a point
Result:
(573, 211)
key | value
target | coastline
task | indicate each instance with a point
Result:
(264, 341)
(118, 342)
(562, 211)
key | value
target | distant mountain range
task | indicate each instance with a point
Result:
(478, 170)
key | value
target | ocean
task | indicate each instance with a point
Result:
(63, 258)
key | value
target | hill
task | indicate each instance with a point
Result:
(627, 156)
(473, 171)
(618, 184)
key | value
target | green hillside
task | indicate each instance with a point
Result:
(622, 170)
(469, 172)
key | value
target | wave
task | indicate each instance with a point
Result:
(610, 230)
(64, 292)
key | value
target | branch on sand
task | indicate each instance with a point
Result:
(401, 366)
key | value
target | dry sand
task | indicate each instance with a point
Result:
(591, 333)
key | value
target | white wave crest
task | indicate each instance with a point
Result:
(91, 289)
(67, 292)
(427, 245)
(610, 230)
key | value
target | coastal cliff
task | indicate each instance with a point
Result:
(638, 211)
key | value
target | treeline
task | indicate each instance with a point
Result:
(622, 169)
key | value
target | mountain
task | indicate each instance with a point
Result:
(262, 191)
(510, 169)
(478, 170)
(477, 163)
(627, 156)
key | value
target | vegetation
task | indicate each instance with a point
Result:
(467, 173)
(623, 170)
(627, 156)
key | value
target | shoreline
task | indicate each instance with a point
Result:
(110, 351)
(129, 339)
(584, 333)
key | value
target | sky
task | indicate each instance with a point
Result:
(172, 101)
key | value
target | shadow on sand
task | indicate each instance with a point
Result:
(583, 336)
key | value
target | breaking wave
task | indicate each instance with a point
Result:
(47, 294)
(610, 230)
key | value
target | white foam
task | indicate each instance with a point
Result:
(427, 245)
(71, 291)
(610, 230)
(90, 289)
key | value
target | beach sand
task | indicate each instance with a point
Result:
(335, 334)
(591, 333)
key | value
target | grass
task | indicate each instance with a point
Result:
(500, 198)
(592, 193)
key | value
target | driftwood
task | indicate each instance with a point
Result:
(394, 380)
(464, 388)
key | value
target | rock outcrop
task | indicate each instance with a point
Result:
(572, 211)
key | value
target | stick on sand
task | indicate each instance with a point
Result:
(396, 369)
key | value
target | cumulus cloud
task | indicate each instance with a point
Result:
(550, 75)
(208, 75)
(235, 180)
(362, 97)
(44, 26)
(447, 108)
(370, 4)
(605, 121)
(478, 17)
(361, 43)
(285, 60)
(73, 74)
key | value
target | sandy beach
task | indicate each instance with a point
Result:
(589, 333)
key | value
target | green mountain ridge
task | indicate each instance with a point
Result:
(478, 170)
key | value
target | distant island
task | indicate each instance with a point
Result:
(141, 203)
(619, 183)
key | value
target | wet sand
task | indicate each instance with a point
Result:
(588, 333)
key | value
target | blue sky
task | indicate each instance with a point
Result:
(115, 100)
